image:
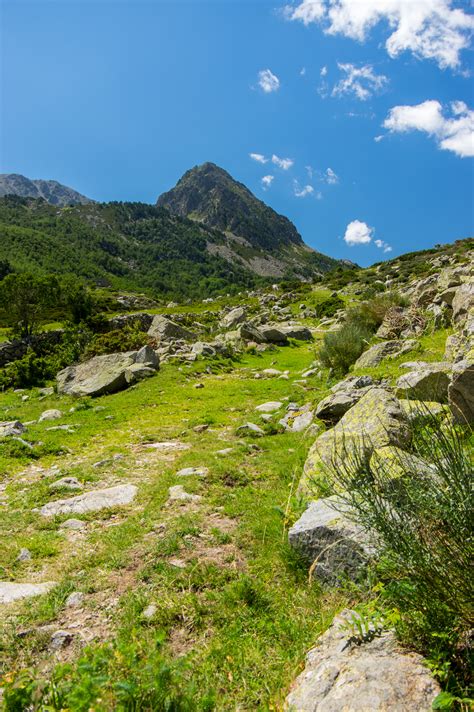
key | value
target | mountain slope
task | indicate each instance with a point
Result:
(256, 235)
(50, 190)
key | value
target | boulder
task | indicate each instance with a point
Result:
(163, 329)
(417, 409)
(376, 353)
(269, 407)
(461, 392)
(106, 374)
(91, 501)
(333, 407)
(296, 331)
(348, 673)
(389, 463)
(428, 383)
(147, 357)
(250, 429)
(298, 419)
(10, 591)
(70, 483)
(249, 332)
(375, 421)
(12, 427)
(352, 383)
(273, 335)
(52, 414)
(463, 302)
(233, 318)
(202, 349)
(325, 534)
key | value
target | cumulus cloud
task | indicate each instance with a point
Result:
(455, 133)
(358, 233)
(302, 192)
(268, 81)
(432, 29)
(362, 82)
(382, 245)
(267, 181)
(283, 163)
(331, 177)
(260, 158)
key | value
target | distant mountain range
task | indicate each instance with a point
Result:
(207, 234)
(50, 190)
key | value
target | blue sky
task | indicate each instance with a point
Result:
(117, 98)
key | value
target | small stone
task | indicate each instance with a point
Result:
(149, 611)
(24, 555)
(74, 599)
(189, 471)
(201, 428)
(199, 385)
(70, 483)
(91, 501)
(52, 414)
(269, 407)
(250, 429)
(60, 639)
(178, 494)
(73, 524)
(226, 451)
(177, 563)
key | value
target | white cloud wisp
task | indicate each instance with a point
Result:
(267, 81)
(362, 82)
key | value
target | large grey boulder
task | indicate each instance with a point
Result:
(376, 353)
(91, 501)
(233, 318)
(273, 334)
(429, 383)
(10, 591)
(333, 407)
(374, 674)
(325, 534)
(375, 421)
(249, 332)
(296, 331)
(107, 374)
(461, 392)
(163, 329)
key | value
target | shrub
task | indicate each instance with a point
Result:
(424, 524)
(329, 307)
(342, 348)
(117, 341)
(370, 314)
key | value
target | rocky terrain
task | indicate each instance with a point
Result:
(178, 519)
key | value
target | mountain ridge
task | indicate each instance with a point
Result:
(50, 190)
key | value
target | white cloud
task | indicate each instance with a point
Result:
(331, 177)
(358, 233)
(324, 71)
(360, 81)
(379, 138)
(268, 81)
(454, 134)
(283, 163)
(260, 158)
(382, 245)
(302, 71)
(309, 171)
(302, 192)
(267, 181)
(430, 29)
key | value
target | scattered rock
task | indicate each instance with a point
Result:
(163, 329)
(376, 353)
(190, 471)
(233, 318)
(70, 483)
(74, 599)
(91, 501)
(428, 383)
(52, 414)
(325, 534)
(463, 302)
(13, 427)
(269, 407)
(177, 493)
(10, 591)
(273, 335)
(73, 524)
(24, 555)
(297, 420)
(345, 674)
(60, 639)
(250, 429)
(167, 445)
(150, 611)
(296, 331)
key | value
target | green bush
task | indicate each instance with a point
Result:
(370, 314)
(425, 528)
(117, 341)
(340, 349)
(329, 307)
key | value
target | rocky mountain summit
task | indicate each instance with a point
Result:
(49, 190)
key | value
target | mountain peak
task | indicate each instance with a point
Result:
(50, 190)
(209, 194)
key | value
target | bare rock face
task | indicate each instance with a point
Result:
(370, 675)
(428, 383)
(10, 591)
